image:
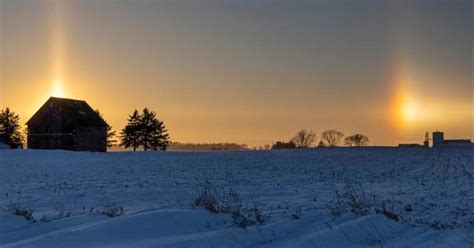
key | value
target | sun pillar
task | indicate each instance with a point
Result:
(57, 80)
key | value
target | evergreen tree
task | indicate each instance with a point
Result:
(160, 137)
(24, 137)
(111, 134)
(148, 127)
(154, 135)
(10, 127)
(145, 130)
(131, 134)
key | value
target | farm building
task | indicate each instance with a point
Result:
(410, 145)
(67, 124)
(440, 142)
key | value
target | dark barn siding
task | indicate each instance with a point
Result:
(51, 142)
(91, 139)
(67, 124)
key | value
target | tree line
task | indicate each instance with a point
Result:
(146, 131)
(330, 138)
(143, 130)
(178, 146)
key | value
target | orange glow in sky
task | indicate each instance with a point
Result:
(57, 89)
(409, 111)
(404, 109)
(217, 71)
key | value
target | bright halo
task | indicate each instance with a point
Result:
(57, 90)
(409, 111)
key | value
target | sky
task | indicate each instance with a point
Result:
(248, 71)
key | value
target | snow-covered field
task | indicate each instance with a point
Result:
(372, 197)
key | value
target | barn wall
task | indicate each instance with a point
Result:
(49, 131)
(51, 142)
(81, 139)
(91, 139)
(67, 125)
(49, 120)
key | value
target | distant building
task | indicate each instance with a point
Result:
(67, 124)
(440, 142)
(410, 145)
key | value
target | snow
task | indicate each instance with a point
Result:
(3, 146)
(431, 192)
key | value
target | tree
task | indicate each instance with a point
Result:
(130, 134)
(332, 137)
(321, 144)
(356, 140)
(111, 134)
(283, 145)
(148, 125)
(145, 130)
(111, 137)
(10, 127)
(177, 146)
(155, 135)
(348, 141)
(304, 139)
(24, 137)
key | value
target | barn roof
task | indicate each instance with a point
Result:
(77, 110)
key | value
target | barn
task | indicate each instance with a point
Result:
(67, 124)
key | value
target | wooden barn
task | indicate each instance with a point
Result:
(67, 124)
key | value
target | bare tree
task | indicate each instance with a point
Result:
(332, 137)
(356, 140)
(304, 138)
(348, 141)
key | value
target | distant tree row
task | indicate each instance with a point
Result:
(283, 145)
(145, 130)
(177, 146)
(329, 138)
